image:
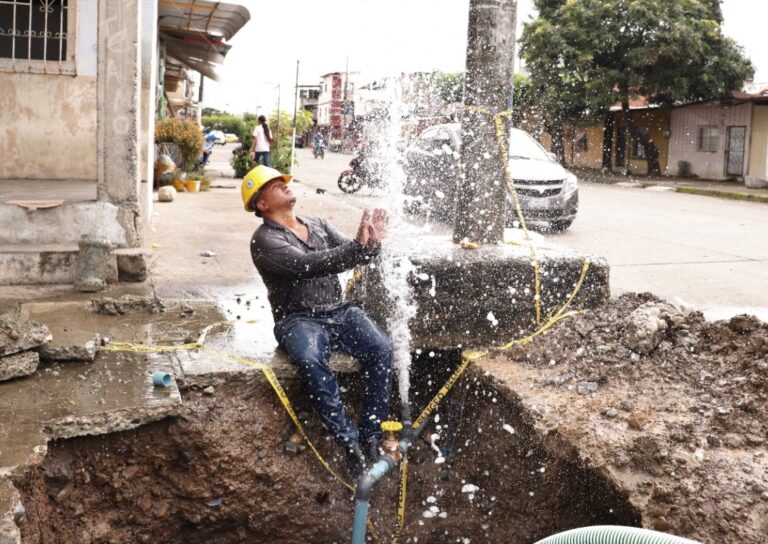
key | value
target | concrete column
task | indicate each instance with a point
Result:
(119, 107)
(148, 99)
(488, 86)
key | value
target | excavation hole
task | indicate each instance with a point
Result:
(221, 472)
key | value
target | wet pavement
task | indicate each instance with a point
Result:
(201, 343)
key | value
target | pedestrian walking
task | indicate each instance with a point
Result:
(262, 142)
(299, 259)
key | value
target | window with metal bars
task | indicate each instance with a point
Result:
(35, 31)
(708, 136)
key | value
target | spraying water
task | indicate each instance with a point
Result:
(396, 267)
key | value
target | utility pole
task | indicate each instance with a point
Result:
(295, 105)
(277, 123)
(488, 85)
(344, 104)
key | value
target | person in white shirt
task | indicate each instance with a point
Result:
(262, 141)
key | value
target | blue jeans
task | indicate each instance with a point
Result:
(261, 155)
(308, 339)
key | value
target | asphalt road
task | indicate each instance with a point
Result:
(702, 252)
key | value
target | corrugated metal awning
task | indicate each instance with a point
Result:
(195, 32)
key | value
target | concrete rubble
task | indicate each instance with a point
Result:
(127, 304)
(18, 365)
(648, 326)
(18, 337)
(78, 352)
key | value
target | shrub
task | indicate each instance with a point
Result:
(184, 133)
(241, 162)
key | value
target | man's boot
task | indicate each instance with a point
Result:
(355, 460)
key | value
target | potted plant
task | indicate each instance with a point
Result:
(178, 179)
(192, 181)
(186, 134)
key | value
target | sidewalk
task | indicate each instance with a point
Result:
(733, 190)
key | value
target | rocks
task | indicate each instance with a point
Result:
(166, 193)
(18, 365)
(210, 391)
(585, 388)
(744, 324)
(647, 326)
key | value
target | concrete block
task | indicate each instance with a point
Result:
(132, 264)
(483, 296)
(18, 365)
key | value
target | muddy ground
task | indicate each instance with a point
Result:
(574, 430)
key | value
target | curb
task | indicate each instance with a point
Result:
(723, 194)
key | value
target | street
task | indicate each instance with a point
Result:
(706, 253)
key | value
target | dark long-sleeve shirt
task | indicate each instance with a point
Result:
(302, 277)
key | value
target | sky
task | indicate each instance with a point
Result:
(377, 37)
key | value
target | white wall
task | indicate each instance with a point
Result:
(684, 137)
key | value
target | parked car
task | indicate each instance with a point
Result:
(221, 139)
(548, 193)
(231, 138)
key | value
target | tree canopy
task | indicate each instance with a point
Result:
(586, 55)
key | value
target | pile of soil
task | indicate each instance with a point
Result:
(576, 429)
(679, 423)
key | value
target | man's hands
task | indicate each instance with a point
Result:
(373, 227)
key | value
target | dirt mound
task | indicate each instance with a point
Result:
(679, 423)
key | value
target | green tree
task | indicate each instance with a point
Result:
(212, 111)
(227, 123)
(280, 156)
(448, 86)
(586, 55)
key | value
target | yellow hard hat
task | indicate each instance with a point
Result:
(256, 179)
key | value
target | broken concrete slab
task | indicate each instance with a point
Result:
(202, 368)
(114, 393)
(18, 333)
(127, 304)
(18, 365)
(482, 296)
(68, 348)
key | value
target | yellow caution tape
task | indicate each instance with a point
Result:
(401, 494)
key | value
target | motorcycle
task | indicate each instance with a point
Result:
(364, 171)
(319, 151)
